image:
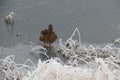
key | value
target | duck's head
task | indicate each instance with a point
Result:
(50, 27)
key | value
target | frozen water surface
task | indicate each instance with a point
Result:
(71, 59)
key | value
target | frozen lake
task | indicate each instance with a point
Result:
(97, 20)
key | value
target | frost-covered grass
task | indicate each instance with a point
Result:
(85, 62)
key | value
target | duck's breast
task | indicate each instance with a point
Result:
(52, 37)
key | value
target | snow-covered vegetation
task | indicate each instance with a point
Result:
(84, 62)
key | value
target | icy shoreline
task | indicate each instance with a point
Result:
(70, 60)
(73, 68)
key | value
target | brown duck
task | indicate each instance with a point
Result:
(48, 36)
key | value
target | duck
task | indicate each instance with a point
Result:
(48, 36)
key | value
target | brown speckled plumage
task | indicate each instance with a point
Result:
(48, 36)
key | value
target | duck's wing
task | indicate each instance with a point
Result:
(41, 38)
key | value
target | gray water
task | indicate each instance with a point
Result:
(97, 20)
